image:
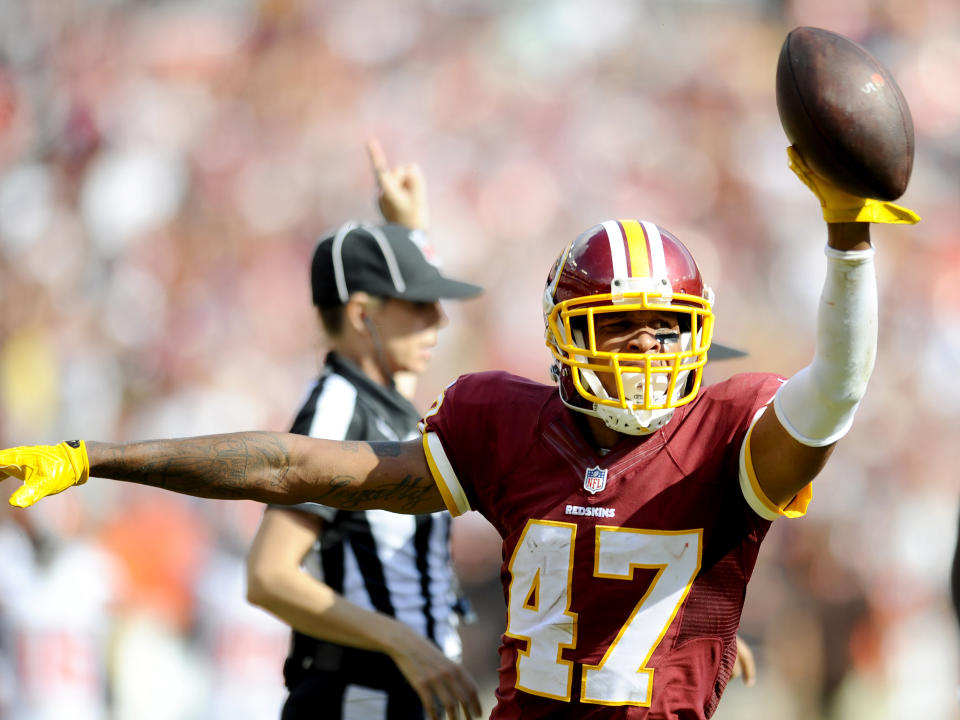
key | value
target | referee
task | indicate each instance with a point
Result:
(370, 595)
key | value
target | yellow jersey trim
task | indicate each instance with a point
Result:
(753, 493)
(444, 476)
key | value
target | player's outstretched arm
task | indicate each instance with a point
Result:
(277, 582)
(268, 467)
(792, 440)
(814, 409)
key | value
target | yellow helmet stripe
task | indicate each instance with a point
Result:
(636, 248)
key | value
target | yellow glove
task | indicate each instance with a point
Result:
(44, 469)
(839, 206)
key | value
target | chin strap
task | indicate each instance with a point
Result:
(625, 420)
(633, 422)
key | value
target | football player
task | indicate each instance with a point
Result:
(631, 503)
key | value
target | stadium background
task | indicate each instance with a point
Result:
(165, 168)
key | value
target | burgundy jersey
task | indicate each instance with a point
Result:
(624, 573)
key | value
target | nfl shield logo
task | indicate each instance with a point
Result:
(594, 480)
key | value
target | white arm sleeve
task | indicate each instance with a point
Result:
(816, 406)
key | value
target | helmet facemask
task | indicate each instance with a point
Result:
(648, 386)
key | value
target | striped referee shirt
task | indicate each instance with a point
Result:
(396, 564)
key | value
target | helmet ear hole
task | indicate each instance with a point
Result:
(555, 370)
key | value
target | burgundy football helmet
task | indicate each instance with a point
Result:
(623, 266)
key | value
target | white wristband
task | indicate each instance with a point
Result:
(816, 406)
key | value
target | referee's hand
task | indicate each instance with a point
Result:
(402, 190)
(444, 687)
(745, 665)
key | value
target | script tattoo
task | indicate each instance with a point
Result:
(409, 492)
(241, 465)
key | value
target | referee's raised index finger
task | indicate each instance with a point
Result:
(377, 159)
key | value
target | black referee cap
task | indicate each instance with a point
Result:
(383, 260)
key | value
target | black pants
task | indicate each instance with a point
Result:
(319, 675)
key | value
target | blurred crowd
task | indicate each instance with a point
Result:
(166, 167)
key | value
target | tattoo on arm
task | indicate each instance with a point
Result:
(241, 465)
(387, 449)
(408, 493)
(272, 467)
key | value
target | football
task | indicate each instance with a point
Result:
(845, 113)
